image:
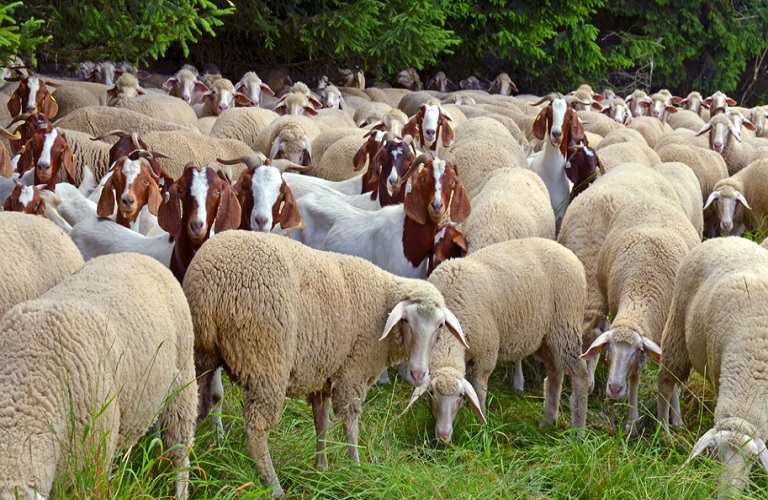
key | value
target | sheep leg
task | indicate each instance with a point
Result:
(675, 365)
(217, 400)
(553, 384)
(518, 382)
(634, 385)
(481, 386)
(352, 431)
(676, 414)
(262, 411)
(321, 413)
(579, 393)
(178, 423)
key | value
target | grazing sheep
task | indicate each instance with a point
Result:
(288, 137)
(490, 292)
(45, 252)
(740, 201)
(645, 242)
(93, 365)
(717, 326)
(285, 340)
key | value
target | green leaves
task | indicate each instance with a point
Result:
(17, 38)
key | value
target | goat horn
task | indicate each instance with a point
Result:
(546, 98)
(8, 135)
(120, 133)
(20, 117)
(420, 160)
(157, 154)
(135, 139)
(284, 165)
(252, 161)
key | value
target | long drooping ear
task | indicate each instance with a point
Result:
(67, 161)
(6, 166)
(541, 123)
(275, 148)
(652, 348)
(14, 103)
(455, 328)
(26, 160)
(598, 345)
(414, 124)
(474, 401)
(577, 127)
(290, 215)
(704, 129)
(154, 199)
(394, 317)
(106, 206)
(460, 205)
(359, 159)
(417, 393)
(415, 204)
(447, 130)
(740, 197)
(708, 440)
(265, 88)
(229, 213)
(715, 195)
(169, 214)
(342, 103)
(50, 106)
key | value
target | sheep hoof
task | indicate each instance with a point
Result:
(384, 378)
(277, 491)
(631, 429)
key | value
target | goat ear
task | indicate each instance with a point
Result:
(447, 131)
(359, 159)
(50, 106)
(540, 124)
(68, 162)
(26, 160)
(40, 208)
(410, 127)
(229, 213)
(6, 167)
(414, 204)
(577, 127)
(290, 215)
(8, 205)
(154, 199)
(460, 205)
(14, 104)
(106, 206)
(169, 213)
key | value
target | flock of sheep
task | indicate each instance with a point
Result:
(364, 228)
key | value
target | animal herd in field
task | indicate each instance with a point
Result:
(362, 228)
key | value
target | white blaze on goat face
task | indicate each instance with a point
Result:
(45, 154)
(429, 122)
(27, 195)
(559, 107)
(438, 169)
(265, 188)
(393, 176)
(199, 192)
(33, 83)
(131, 170)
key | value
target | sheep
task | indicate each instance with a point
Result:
(725, 138)
(503, 85)
(625, 152)
(688, 190)
(739, 200)
(295, 104)
(103, 72)
(409, 78)
(516, 124)
(72, 97)
(45, 252)
(621, 135)
(302, 350)
(184, 84)
(332, 98)
(461, 100)
(757, 116)
(650, 128)
(288, 137)
(337, 162)
(441, 83)
(126, 87)
(708, 166)
(478, 159)
(332, 119)
(392, 121)
(411, 102)
(718, 103)
(369, 113)
(490, 293)
(598, 123)
(161, 106)
(645, 242)
(685, 119)
(716, 325)
(661, 105)
(471, 83)
(693, 102)
(251, 86)
(616, 109)
(97, 120)
(108, 361)
(582, 98)
(638, 102)
(326, 139)
(243, 124)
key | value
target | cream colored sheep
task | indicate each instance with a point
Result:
(598, 123)
(412, 101)
(681, 136)
(717, 326)
(725, 138)
(326, 139)
(289, 136)
(184, 146)
(92, 364)
(685, 119)
(369, 113)
(126, 87)
(626, 152)
(72, 97)
(390, 96)
(98, 120)
(42, 250)
(741, 201)
(161, 106)
(621, 135)
(243, 124)
(287, 320)
(332, 119)
(651, 128)
(636, 267)
(688, 190)
(513, 299)
(336, 164)
(708, 166)
(88, 154)
(477, 160)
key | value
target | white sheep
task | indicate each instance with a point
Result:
(243, 124)
(251, 86)
(693, 102)
(332, 98)
(161, 106)
(685, 119)
(725, 139)
(126, 87)
(740, 202)
(626, 152)
(651, 128)
(105, 362)
(513, 299)
(285, 340)
(639, 103)
(688, 190)
(184, 84)
(717, 326)
(45, 252)
(289, 137)
(219, 97)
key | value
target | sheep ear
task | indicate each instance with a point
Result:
(243, 99)
(265, 88)
(394, 317)
(201, 87)
(740, 197)
(275, 148)
(715, 195)
(730, 101)
(417, 393)
(342, 104)
(598, 345)
(652, 348)
(474, 401)
(759, 449)
(106, 206)
(704, 129)
(453, 325)
(205, 97)
(708, 440)
(169, 83)
(748, 125)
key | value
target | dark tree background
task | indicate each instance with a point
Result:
(544, 45)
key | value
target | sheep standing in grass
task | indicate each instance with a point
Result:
(92, 363)
(287, 320)
(491, 293)
(717, 325)
(741, 201)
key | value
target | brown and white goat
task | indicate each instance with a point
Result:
(32, 123)
(581, 168)
(32, 96)
(25, 199)
(427, 124)
(47, 151)
(133, 185)
(198, 205)
(450, 243)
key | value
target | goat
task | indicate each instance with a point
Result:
(560, 125)
(33, 94)
(581, 168)
(198, 205)
(47, 151)
(398, 238)
(426, 125)
(25, 199)
(32, 123)
(450, 243)
(137, 187)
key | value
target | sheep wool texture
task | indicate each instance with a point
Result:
(36, 256)
(688, 190)
(626, 152)
(514, 299)
(243, 124)
(708, 166)
(620, 135)
(92, 362)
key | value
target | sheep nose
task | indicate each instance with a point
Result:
(223, 106)
(727, 226)
(614, 389)
(444, 436)
(718, 145)
(417, 377)
(185, 98)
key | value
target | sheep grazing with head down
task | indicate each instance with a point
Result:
(260, 306)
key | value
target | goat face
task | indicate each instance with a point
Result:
(134, 185)
(47, 151)
(33, 123)
(265, 200)
(25, 199)
(33, 96)
(395, 158)
(430, 192)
